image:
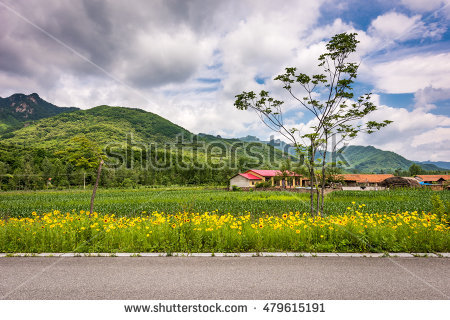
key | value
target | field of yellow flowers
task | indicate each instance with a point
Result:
(354, 230)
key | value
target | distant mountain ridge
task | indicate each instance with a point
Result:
(370, 159)
(276, 143)
(440, 164)
(19, 109)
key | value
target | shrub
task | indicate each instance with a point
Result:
(128, 183)
(438, 206)
(265, 184)
(235, 188)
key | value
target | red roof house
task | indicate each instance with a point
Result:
(271, 173)
(251, 177)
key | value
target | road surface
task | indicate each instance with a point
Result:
(267, 278)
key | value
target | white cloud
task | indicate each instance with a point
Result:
(329, 30)
(439, 136)
(424, 5)
(409, 74)
(394, 26)
(412, 134)
(375, 99)
(424, 98)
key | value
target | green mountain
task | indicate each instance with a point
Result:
(44, 153)
(370, 159)
(103, 124)
(20, 110)
(112, 125)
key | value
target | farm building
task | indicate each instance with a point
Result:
(400, 182)
(354, 180)
(244, 180)
(433, 178)
(250, 178)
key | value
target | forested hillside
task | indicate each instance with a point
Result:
(141, 148)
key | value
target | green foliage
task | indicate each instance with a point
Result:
(439, 207)
(264, 184)
(333, 174)
(82, 153)
(414, 170)
(128, 183)
(235, 188)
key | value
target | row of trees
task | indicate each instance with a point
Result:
(55, 173)
(36, 170)
(77, 165)
(415, 170)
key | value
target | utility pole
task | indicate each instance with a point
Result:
(95, 186)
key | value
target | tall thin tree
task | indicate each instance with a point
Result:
(329, 98)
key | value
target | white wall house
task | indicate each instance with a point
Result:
(244, 180)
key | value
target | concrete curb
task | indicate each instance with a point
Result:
(241, 255)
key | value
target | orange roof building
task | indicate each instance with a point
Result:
(357, 179)
(430, 178)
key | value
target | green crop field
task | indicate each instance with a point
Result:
(216, 220)
(131, 202)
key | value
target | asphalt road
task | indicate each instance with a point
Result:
(267, 278)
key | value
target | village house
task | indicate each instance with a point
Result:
(368, 180)
(250, 178)
(433, 178)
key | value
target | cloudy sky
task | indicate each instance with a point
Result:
(186, 60)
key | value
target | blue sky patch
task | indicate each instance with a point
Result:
(400, 100)
(260, 80)
(208, 80)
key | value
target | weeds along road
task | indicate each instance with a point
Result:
(269, 278)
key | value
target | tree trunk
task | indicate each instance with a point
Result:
(311, 190)
(323, 173)
(318, 199)
(312, 177)
(322, 191)
(95, 186)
